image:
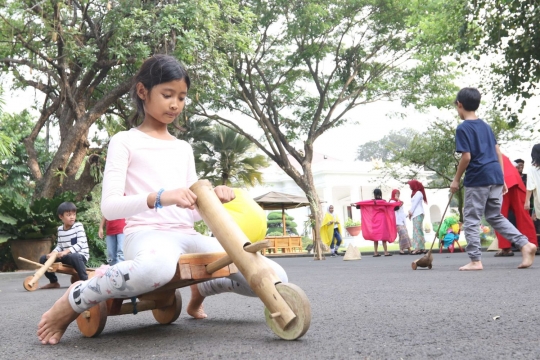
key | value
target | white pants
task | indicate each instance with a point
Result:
(151, 260)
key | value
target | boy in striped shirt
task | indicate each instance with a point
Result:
(72, 247)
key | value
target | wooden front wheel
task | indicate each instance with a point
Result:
(297, 300)
(169, 314)
(27, 286)
(92, 321)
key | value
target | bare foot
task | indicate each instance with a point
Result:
(54, 322)
(195, 307)
(472, 266)
(54, 285)
(527, 252)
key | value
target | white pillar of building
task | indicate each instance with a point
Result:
(355, 197)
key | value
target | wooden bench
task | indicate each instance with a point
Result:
(287, 244)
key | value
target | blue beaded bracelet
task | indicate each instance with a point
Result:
(157, 204)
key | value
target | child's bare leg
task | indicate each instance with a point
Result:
(55, 321)
(375, 247)
(472, 266)
(195, 307)
(527, 251)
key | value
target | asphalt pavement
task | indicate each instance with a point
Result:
(374, 308)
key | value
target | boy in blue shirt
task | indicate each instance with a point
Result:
(484, 182)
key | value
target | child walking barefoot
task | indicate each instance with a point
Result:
(484, 182)
(154, 170)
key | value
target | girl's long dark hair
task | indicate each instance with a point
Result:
(158, 69)
(378, 194)
(535, 155)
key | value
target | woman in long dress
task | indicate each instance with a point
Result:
(403, 233)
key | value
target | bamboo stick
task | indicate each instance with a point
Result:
(259, 275)
(44, 268)
(226, 260)
(34, 263)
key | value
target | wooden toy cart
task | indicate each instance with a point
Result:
(31, 283)
(287, 308)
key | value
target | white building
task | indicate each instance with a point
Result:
(341, 183)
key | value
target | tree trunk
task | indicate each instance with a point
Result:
(460, 196)
(308, 186)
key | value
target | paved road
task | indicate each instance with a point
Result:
(375, 308)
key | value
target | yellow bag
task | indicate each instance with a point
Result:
(455, 228)
(248, 215)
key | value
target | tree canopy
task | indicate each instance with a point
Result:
(385, 148)
(507, 32)
(82, 56)
(311, 62)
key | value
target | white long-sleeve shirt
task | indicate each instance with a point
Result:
(137, 165)
(400, 215)
(417, 206)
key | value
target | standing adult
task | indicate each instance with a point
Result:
(513, 203)
(114, 239)
(403, 233)
(416, 214)
(533, 187)
(331, 230)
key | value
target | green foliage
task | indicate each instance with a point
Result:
(97, 246)
(15, 176)
(274, 233)
(201, 228)
(275, 223)
(350, 222)
(510, 29)
(385, 148)
(35, 220)
(226, 158)
(82, 55)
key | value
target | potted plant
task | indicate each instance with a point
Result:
(31, 228)
(354, 227)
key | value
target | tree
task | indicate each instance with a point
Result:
(384, 148)
(82, 55)
(313, 61)
(227, 157)
(510, 29)
(434, 151)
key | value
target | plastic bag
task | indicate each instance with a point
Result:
(248, 215)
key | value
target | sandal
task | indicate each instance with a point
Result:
(376, 255)
(417, 252)
(402, 253)
(388, 254)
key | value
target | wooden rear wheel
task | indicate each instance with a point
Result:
(27, 286)
(169, 314)
(92, 321)
(297, 300)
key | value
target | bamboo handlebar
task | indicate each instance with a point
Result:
(226, 260)
(43, 269)
(33, 263)
(259, 274)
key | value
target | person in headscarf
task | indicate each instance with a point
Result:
(403, 233)
(416, 214)
(533, 187)
(331, 230)
(513, 202)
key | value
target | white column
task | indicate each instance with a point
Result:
(355, 197)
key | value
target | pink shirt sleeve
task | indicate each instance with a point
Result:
(114, 205)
